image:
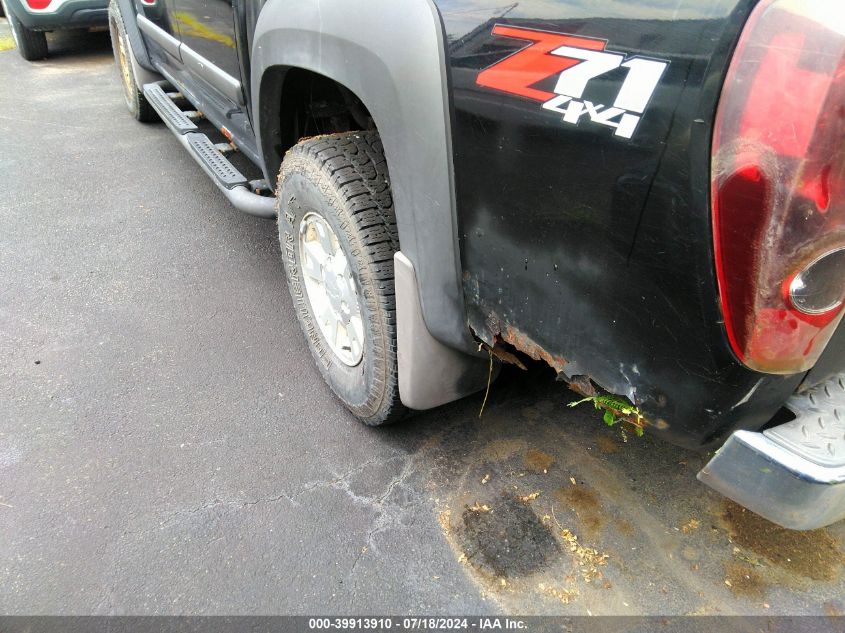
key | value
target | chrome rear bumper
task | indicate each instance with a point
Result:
(792, 474)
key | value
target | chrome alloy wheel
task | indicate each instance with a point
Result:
(331, 289)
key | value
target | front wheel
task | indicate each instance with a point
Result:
(338, 234)
(32, 45)
(136, 102)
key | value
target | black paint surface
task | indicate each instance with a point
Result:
(597, 247)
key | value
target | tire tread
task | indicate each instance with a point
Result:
(355, 165)
(32, 45)
(141, 109)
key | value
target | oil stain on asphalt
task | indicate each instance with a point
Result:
(552, 514)
(811, 554)
(508, 542)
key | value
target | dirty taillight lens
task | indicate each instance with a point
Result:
(778, 185)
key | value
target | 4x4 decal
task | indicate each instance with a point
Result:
(575, 60)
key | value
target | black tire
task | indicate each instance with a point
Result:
(32, 45)
(136, 102)
(343, 178)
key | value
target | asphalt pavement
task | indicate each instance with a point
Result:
(168, 447)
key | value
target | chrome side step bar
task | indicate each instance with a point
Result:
(238, 190)
(792, 474)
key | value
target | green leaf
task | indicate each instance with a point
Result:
(613, 406)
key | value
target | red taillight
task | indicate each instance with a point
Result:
(778, 185)
(38, 4)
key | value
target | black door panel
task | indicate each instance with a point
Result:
(207, 27)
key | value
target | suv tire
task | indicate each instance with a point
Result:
(334, 201)
(136, 102)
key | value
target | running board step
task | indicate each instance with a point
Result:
(234, 185)
(213, 162)
(169, 112)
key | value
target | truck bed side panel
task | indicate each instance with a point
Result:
(589, 248)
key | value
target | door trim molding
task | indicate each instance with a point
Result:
(161, 37)
(228, 86)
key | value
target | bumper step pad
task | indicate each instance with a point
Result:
(817, 434)
(792, 474)
(234, 185)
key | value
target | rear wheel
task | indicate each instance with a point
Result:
(338, 235)
(136, 102)
(32, 45)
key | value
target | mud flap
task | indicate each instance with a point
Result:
(430, 373)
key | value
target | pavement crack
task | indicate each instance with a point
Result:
(339, 482)
(237, 503)
(387, 515)
(407, 469)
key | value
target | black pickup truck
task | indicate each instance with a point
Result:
(647, 195)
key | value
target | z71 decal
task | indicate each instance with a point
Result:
(575, 60)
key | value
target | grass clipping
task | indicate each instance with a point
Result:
(589, 559)
(616, 409)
